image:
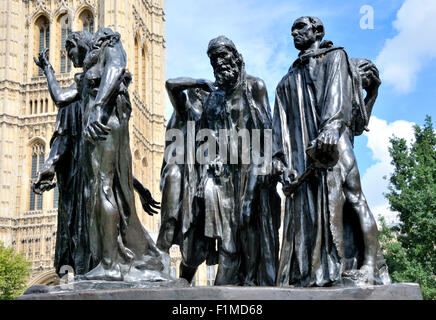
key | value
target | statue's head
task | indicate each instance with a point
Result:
(77, 45)
(306, 31)
(105, 34)
(226, 61)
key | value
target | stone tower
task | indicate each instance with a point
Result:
(27, 114)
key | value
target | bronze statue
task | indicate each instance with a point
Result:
(329, 235)
(72, 240)
(180, 211)
(98, 205)
(241, 206)
(219, 203)
(218, 206)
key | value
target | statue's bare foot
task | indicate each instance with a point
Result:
(364, 275)
(106, 274)
(367, 273)
(249, 283)
(367, 268)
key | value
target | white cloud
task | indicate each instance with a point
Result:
(261, 32)
(383, 210)
(373, 183)
(403, 56)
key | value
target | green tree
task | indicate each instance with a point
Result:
(14, 270)
(410, 247)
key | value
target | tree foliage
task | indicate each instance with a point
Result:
(14, 270)
(410, 247)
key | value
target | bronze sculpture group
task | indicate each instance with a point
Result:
(218, 207)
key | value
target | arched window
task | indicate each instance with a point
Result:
(42, 37)
(210, 275)
(56, 197)
(31, 107)
(144, 162)
(136, 75)
(144, 75)
(48, 246)
(136, 159)
(38, 154)
(65, 24)
(87, 20)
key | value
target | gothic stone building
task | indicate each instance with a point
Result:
(27, 114)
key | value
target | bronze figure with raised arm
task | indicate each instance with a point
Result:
(72, 240)
(91, 157)
(179, 215)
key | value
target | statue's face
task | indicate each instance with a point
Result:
(75, 54)
(303, 34)
(225, 67)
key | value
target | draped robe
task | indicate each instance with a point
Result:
(72, 240)
(315, 95)
(188, 230)
(112, 159)
(224, 195)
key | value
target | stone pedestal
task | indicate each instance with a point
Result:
(179, 291)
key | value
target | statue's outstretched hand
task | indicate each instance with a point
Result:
(42, 61)
(44, 182)
(147, 201)
(95, 130)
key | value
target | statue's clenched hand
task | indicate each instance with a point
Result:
(44, 182)
(328, 140)
(290, 183)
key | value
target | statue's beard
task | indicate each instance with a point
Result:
(227, 76)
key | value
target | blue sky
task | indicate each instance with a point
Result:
(402, 43)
